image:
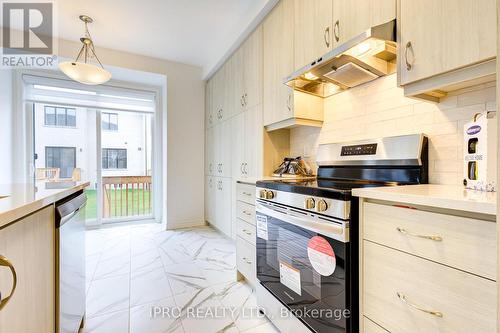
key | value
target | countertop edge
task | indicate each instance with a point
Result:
(435, 202)
(29, 208)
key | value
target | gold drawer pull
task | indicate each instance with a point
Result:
(404, 299)
(6, 263)
(247, 261)
(247, 232)
(247, 194)
(247, 213)
(434, 238)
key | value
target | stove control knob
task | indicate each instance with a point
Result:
(309, 203)
(269, 195)
(322, 206)
(262, 194)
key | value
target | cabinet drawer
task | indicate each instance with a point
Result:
(245, 212)
(245, 193)
(246, 231)
(460, 242)
(245, 259)
(399, 288)
(370, 327)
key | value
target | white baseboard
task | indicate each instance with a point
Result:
(172, 225)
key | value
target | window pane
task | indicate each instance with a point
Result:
(71, 117)
(61, 116)
(104, 159)
(112, 159)
(122, 159)
(50, 116)
(113, 122)
(62, 158)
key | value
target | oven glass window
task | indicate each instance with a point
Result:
(306, 271)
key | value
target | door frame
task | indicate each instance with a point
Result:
(23, 124)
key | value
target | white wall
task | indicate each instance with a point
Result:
(380, 109)
(183, 127)
(6, 126)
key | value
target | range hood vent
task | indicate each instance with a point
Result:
(361, 59)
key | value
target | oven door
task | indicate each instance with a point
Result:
(303, 260)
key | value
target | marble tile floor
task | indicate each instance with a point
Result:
(142, 279)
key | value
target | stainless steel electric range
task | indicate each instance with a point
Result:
(307, 232)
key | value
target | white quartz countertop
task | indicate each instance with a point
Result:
(439, 196)
(23, 199)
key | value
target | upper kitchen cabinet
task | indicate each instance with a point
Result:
(445, 45)
(352, 17)
(223, 92)
(313, 30)
(279, 106)
(247, 72)
(209, 114)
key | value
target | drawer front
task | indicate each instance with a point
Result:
(245, 259)
(246, 231)
(245, 193)
(460, 242)
(466, 302)
(245, 212)
(370, 327)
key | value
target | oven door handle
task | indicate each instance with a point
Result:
(329, 229)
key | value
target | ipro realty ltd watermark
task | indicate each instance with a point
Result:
(28, 34)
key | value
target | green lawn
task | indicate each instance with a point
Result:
(135, 203)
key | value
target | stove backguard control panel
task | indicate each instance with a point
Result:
(364, 149)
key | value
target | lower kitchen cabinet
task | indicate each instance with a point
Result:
(218, 203)
(426, 270)
(29, 246)
(244, 222)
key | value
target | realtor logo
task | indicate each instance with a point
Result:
(27, 34)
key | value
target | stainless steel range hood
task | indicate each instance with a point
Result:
(361, 59)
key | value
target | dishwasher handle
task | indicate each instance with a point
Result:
(66, 210)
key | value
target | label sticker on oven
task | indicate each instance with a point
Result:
(262, 226)
(290, 277)
(321, 255)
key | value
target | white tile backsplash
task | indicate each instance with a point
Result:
(380, 109)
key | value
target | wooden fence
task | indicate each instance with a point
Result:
(126, 196)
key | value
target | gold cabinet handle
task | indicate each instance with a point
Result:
(336, 30)
(289, 102)
(326, 36)
(405, 300)
(6, 263)
(247, 213)
(247, 194)
(247, 261)
(247, 232)
(409, 65)
(405, 232)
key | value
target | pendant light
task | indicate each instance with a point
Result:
(85, 72)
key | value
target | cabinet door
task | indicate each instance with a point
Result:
(217, 95)
(238, 59)
(209, 116)
(29, 244)
(223, 205)
(252, 69)
(278, 60)
(254, 141)
(210, 194)
(224, 148)
(238, 145)
(228, 103)
(210, 162)
(445, 35)
(352, 17)
(313, 30)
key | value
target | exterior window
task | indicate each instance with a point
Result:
(61, 117)
(63, 158)
(113, 158)
(109, 121)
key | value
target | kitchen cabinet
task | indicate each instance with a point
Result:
(438, 37)
(222, 149)
(210, 160)
(223, 205)
(29, 245)
(419, 265)
(312, 31)
(244, 223)
(209, 114)
(210, 197)
(247, 143)
(223, 102)
(352, 17)
(282, 107)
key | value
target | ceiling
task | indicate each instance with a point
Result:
(196, 32)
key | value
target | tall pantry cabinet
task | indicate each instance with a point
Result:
(234, 130)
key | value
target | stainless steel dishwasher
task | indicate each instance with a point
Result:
(70, 242)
